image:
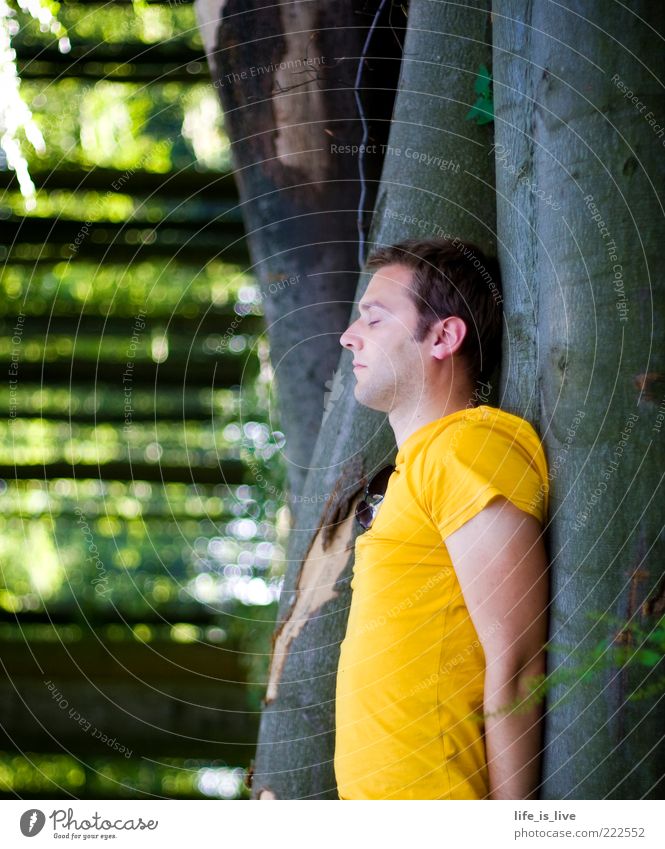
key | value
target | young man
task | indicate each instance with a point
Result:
(448, 614)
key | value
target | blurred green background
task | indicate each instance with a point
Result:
(141, 477)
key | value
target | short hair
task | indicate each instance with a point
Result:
(453, 278)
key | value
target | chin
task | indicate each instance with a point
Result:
(374, 402)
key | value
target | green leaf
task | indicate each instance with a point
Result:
(649, 658)
(482, 111)
(485, 108)
(483, 80)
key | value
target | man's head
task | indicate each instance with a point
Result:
(437, 326)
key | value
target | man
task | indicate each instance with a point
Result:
(448, 614)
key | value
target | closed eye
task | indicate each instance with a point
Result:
(376, 321)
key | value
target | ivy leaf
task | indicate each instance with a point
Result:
(649, 658)
(483, 81)
(482, 110)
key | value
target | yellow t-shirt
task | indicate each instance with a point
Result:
(409, 700)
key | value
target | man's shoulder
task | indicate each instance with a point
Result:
(481, 425)
(486, 451)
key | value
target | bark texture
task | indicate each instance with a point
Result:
(444, 47)
(285, 74)
(579, 165)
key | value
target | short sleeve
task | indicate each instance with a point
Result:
(468, 465)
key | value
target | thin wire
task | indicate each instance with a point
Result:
(365, 125)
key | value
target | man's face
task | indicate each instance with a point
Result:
(389, 365)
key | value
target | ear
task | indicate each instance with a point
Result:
(448, 336)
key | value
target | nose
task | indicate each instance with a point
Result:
(349, 339)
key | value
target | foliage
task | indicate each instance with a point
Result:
(629, 648)
(482, 110)
(161, 287)
(116, 124)
(15, 116)
(35, 775)
(132, 559)
(127, 126)
(117, 23)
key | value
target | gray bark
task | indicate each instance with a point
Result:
(285, 75)
(444, 47)
(585, 307)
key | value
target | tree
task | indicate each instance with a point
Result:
(580, 228)
(287, 77)
(430, 153)
(562, 182)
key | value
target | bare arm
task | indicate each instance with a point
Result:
(501, 564)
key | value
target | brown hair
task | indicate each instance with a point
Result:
(451, 277)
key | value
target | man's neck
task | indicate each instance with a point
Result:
(406, 421)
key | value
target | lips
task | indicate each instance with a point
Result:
(358, 365)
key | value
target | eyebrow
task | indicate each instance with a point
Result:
(367, 304)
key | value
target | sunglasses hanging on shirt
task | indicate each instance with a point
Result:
(375, 490)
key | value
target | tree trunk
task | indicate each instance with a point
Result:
(444, 48)
(579, 166)
(286, 74)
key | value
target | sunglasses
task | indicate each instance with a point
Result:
(375, 490)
